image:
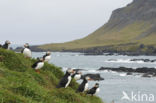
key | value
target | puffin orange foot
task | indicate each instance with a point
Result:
(37, 71)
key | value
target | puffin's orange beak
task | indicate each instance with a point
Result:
(95, 86)
(90, 79)
(73, 71)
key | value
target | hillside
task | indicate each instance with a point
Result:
(19, 83)
(128, 29)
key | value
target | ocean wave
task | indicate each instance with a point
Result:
(89, 70)
(122, 74)
(125, 61)
(110, 72)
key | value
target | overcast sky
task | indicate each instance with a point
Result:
(49, 21)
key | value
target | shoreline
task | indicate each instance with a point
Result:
(105, 50)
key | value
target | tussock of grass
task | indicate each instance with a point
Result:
(19, 83)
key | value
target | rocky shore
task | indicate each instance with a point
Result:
(146, 72)
(103, 50)
(144, 60)
(33, 48)
(95, 77)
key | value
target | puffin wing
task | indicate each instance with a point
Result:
(35, 64)
(22, 50)
(82, 76)
(5, 46)
(73, 75)
(44, 56)
(80, 88)
(62, 82)
(91, 91)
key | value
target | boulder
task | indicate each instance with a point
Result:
(94, 76)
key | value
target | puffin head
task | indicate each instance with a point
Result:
(97, 85)
(79, 72)
(7, 42)
(26, 45)
(87, 78)
(48, 53)
(40, 59)
(70, 71)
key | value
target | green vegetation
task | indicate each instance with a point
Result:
(19, 83)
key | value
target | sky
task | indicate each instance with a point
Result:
(53, 21)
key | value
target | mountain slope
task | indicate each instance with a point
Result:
(19, 83)
(131, 26)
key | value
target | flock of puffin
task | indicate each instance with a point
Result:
(66, 79)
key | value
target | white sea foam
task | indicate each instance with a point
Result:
(122, 74)
(124, 61)
(105, 71)
(119, 61)
(134, 67)
(113, 72)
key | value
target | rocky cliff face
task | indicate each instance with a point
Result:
(138, 10)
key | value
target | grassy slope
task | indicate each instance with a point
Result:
(19, 83)
(104, 37)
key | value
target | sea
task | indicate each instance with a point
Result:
(116, 87)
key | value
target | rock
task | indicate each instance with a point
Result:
(144, 60)
(79, 70)
(146, 75)
(129, 73)
(94, 76)
(154, 75)
(18, 49)
(153, 60)
(94, 53)
(147, 71)
(33, 48)
(120, 69)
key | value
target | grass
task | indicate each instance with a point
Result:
(19, 83)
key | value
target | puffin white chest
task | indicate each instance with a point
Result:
(39, 65)
(47, 58)
(69, 80)
(86, 87)
(97, 91)
(27, 52)
(77, 77)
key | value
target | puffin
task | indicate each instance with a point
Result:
(77, 75)
(47, 56)
(38, 65)
(94, 90)
(66, 79)
(26, 51)
(84, 85)
(6, 44)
